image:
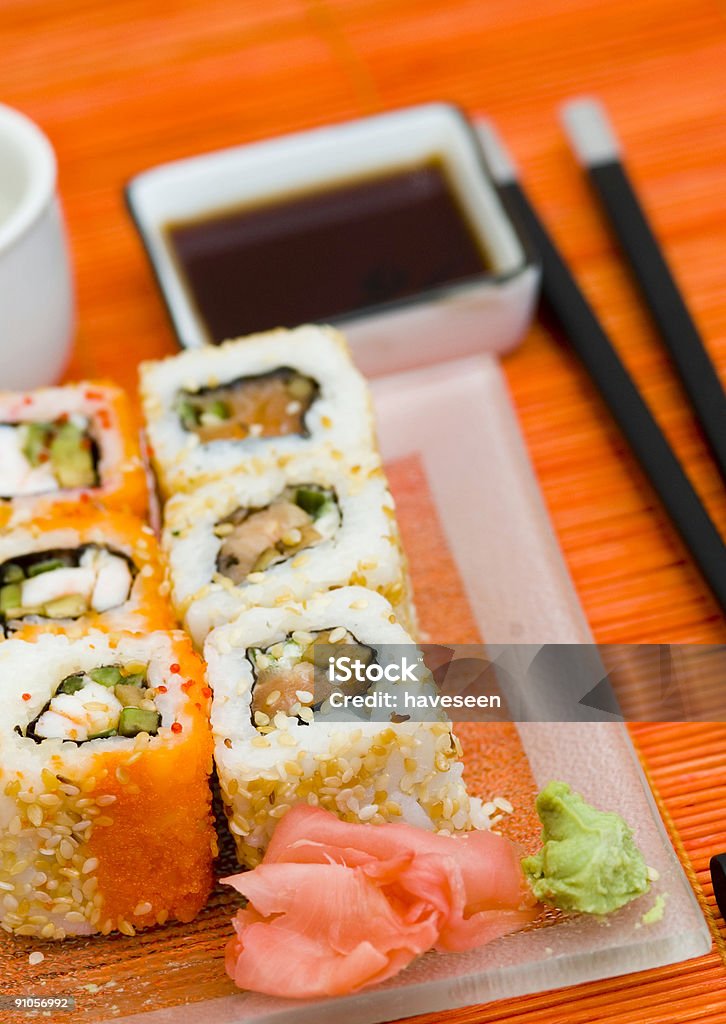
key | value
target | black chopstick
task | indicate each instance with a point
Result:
(591, 136)
(590, 342)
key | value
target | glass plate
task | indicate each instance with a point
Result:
(485, 565)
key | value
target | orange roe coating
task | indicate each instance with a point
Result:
(155, 844)
(147, 608)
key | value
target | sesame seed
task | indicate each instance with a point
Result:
(49, 800)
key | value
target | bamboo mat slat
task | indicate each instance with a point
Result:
(123, 85)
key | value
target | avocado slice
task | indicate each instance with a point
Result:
(36, 441)
(310, 501)
(68, 607)
(132, 721)
(72, 684)
(134, 679)
(188, 414)
(46, 565)
(106, 675)
(219, 409)
(71, 457)
(12, 573)
(11, 600)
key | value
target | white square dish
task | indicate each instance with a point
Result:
(488, 312)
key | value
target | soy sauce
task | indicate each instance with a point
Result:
(317, 256)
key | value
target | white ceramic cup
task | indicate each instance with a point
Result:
(36, 286)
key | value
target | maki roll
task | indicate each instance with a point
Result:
(66, 443)
(281, 536)
(254, 403)
(105, 805)
(81, 568)
(275, 746)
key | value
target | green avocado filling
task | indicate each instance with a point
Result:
(589, 862)
(127, 685)
(67, 447)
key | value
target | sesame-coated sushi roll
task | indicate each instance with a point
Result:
(273, 748)
(254, 403)
(282, 536)
(66, 443)
(81, 568)
(105, 806)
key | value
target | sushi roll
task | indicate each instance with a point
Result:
(69, 443)
(252, 404)
(81, 568)
(105, 805)
(281, 536)
(275, 747)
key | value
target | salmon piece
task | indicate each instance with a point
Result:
(285, 682)
(270, 405)
(335, 906)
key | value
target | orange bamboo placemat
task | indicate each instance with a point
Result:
(122, 85)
